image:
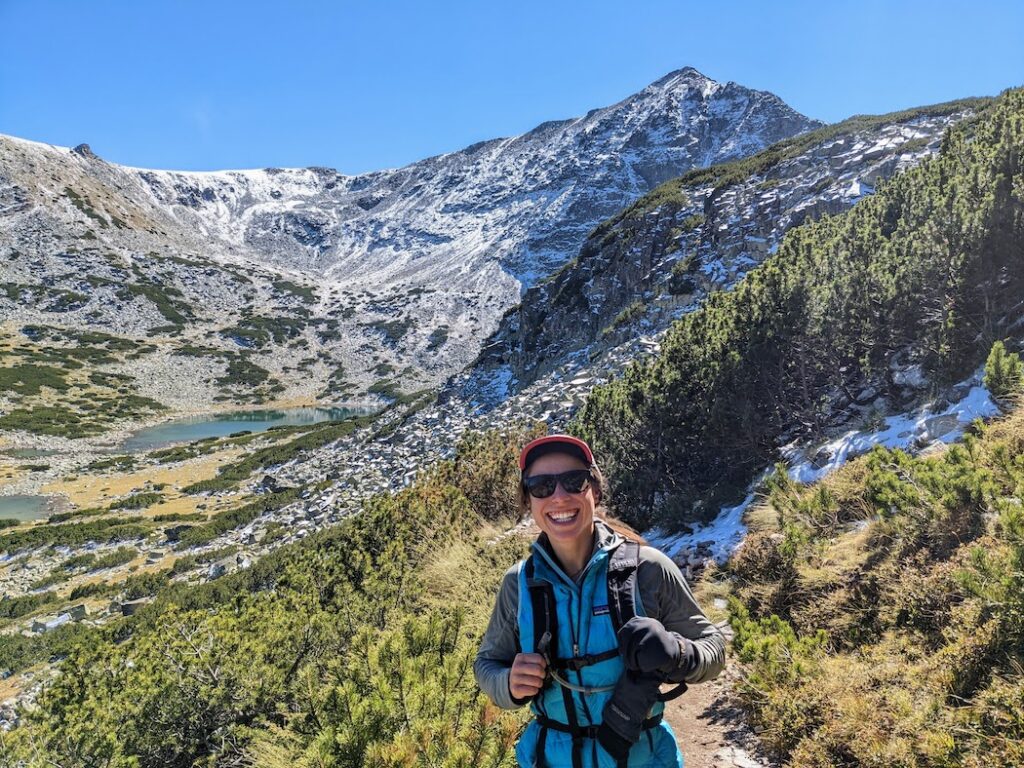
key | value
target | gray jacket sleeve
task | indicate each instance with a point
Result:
(500, 644)
(667, 597)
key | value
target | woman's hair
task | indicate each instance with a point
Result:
(600, 512)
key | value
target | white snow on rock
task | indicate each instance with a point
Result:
(901, 431)
(721, 537)
(450, 241)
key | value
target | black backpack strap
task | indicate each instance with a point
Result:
(545, 642)
(622, 568)
(545, 614)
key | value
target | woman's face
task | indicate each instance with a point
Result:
(566, 518)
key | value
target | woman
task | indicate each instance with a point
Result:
(589, 626)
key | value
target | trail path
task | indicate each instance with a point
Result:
(711, 728)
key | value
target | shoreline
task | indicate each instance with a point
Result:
(71, 455)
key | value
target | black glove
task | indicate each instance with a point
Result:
(623, 716)
(647, 647)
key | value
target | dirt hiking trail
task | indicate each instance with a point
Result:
(712, 730)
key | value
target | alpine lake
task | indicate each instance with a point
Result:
(185, 430)
(225, 424)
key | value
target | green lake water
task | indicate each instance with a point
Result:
(222, 425)
(31, 453)
(26, 507)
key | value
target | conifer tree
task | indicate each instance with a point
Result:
(1004, 372)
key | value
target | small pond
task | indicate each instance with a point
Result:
(31, 453)
(222, 425)
(26, 507)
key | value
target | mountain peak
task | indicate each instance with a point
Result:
(688, 74)
(84, 150)
(455, 236)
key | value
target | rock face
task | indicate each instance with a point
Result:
(413, 267)
(657, 260)
(523, 204)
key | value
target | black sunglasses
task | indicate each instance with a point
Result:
(573, 481)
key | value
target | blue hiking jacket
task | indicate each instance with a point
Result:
(584, 628)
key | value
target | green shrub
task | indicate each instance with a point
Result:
(828, 313)
(138, 501)
(342, 624)
(119, 556)
(1004, 372)
(29, 379)
(304, 293)
(682, 277)
(89, 590)
(144, 584)
(16, 607)
(891, 642)
(72, 534)
(633, 312)
(230, 519)
(692, 222)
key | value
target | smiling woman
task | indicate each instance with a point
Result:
(590, 625)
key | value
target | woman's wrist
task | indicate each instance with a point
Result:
(687, 654)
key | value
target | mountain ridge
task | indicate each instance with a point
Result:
(451, 240)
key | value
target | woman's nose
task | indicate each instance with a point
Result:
(560, 492)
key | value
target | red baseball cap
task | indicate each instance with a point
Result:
(576, 447)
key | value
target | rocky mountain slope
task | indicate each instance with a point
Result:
(520, 204)
(630, 256)
(567, 336)
(658, 259)
(379, 282)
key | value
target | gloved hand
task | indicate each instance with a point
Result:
(648, 648)
(623, 716)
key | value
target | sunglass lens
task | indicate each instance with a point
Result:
(575, 481)
(541, 486)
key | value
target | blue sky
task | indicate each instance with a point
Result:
(363, 86)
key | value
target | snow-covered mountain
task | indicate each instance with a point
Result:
(412, 267)
(523, 204)
(659, 259)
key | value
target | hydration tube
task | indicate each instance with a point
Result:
(588, 690)
(585, 690)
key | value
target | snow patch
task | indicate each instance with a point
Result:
(720, 537)
(723, 535)
(900, 431)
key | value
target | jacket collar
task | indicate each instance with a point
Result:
(605, 540)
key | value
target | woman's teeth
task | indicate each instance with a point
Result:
(563, 517)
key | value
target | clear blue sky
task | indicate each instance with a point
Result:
(361, 86)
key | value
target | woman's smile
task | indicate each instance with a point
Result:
(562, 517)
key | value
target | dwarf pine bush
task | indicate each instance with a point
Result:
(900, 640)
(1004, 372)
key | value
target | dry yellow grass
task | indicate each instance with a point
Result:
(463, 566)
(100, 490)
(113, 576)
(841, 556)
(10, 471)
(709, 588)
(15, 684)
(761, 516)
